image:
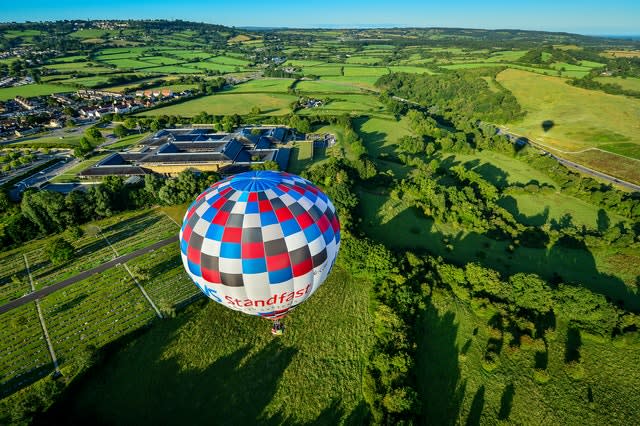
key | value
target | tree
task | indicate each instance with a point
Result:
(94, 135)
(59, 251)
(120, 131)
(4, 202)
(267, 165)
(130, 123)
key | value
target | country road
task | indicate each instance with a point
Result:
(82, 275)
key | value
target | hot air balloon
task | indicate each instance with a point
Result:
(260, 242)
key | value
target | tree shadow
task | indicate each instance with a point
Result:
(506, 402)
(476, 407)
(373, 141)
(69, 305)
(572, 345)
(437, 369)
(547, 125)
(511, 205)
(493, 175)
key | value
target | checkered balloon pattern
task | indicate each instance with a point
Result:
(260, 242)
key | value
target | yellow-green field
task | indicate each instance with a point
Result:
(572, 121)
(581, 118)
(225, 104)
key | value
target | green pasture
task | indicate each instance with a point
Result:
(540, 208)
(128, 141)
(264, 85)
(229, 60)
(410, 69)
(360, 81)
(225, 104)
(176, 69)
(160, 60)
(31, 90)
(322, 70)
(211, 66)
(362, 60)
(325, 87)
(626, 149)
(92, 81)
(628, 83)
(128, 63)
(505, 56)
(350, 104)
(581, 118)
(352, 71)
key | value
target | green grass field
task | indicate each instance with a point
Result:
(581, 118)
(128, 141)
(238, 371)
(325, 86)
(266, 85)
(31, 90)
(347, 103)
(628, 83)
(224, 104)
(301, 157)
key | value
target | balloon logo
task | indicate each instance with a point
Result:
(260, 242)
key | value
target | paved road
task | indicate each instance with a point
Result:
(81, 276)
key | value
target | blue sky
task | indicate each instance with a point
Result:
(585, 17)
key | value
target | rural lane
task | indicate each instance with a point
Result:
(82, 275)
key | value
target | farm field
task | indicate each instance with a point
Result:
(325, 86)
(229, 103)
(31, 90)
(94, 312)
(347, 103)
(265, 85)
(202, 350)
(576, 113)
(628, 83)
(24, 356)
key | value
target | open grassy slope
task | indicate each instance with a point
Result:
(215, 365)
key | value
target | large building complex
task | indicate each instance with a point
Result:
(171, 151)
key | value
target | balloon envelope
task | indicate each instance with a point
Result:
(260, 242)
